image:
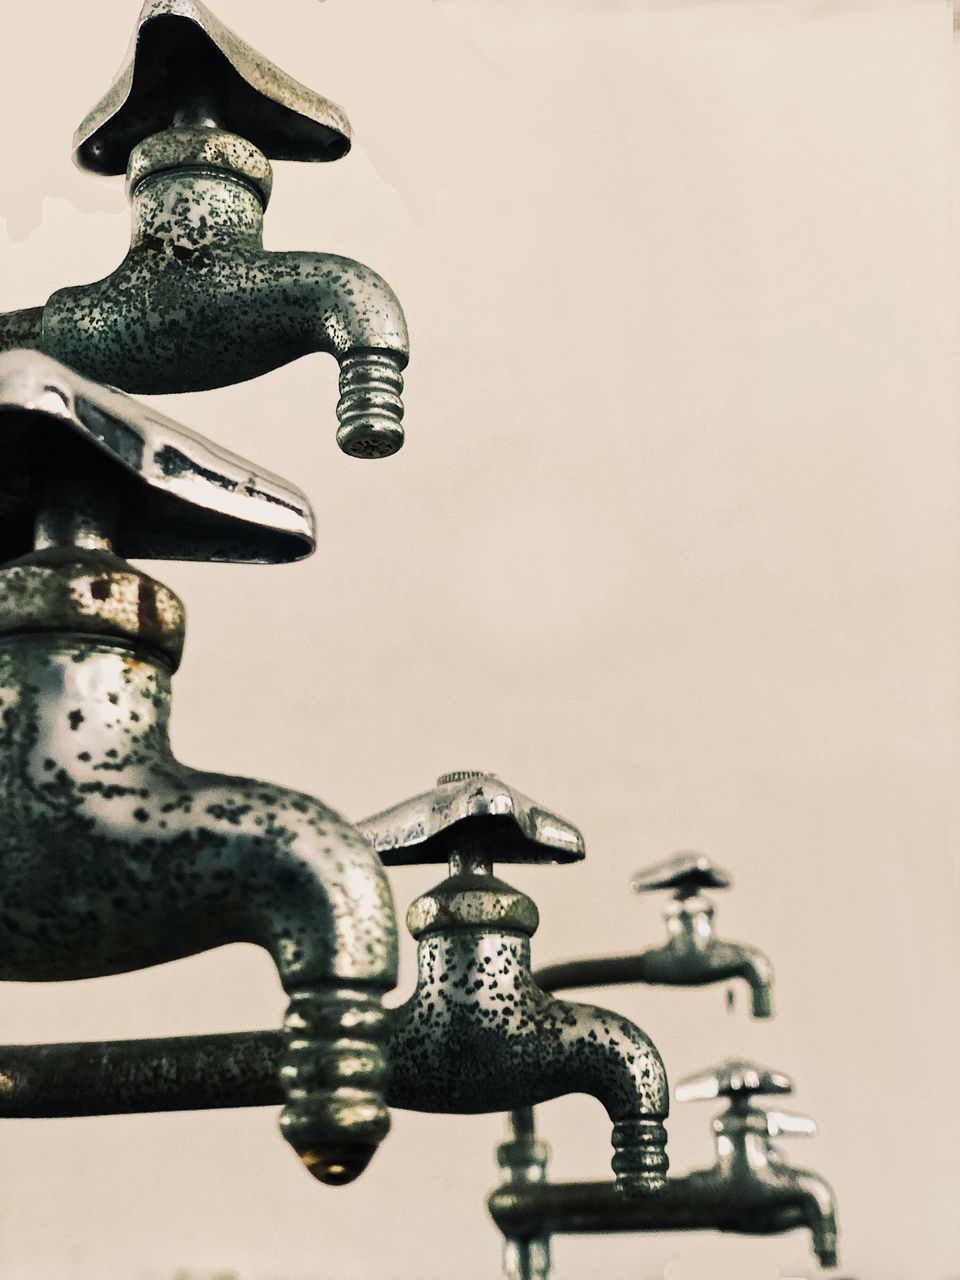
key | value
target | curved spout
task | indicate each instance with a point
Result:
(21, 328)
(479, 1035)
(161, 861)
(818, 1210)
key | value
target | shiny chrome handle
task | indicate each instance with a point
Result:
(686, 873)
(790, 1124)
(174, 494)
(471, 814)
(733, 1079)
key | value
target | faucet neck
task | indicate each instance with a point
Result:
(690, 922)
(196, 185)
(88, 704)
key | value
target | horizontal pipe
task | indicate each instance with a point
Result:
(120, 1077)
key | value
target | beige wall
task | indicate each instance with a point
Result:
(673, 546)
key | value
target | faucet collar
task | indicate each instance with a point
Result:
(70, 590)
(469, 902)
(200, 148)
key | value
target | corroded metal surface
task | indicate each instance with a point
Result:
(750, 1189)
(477, 1035)
(198, 302)
(161, 491)
(180, 52)
(427, 828)
(116, 856)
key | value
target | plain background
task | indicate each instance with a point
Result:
(672, 547)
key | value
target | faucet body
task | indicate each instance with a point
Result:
(199, 303)
(116, 856)
(478, 1034)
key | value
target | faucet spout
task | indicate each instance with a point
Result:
(819, 1213)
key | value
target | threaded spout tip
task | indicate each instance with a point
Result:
(371, 408)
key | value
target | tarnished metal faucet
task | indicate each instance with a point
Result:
(691, 956)
(114, 855)
(194, 118)
(477, 1035)
(750, 1189)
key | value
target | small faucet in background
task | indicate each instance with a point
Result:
(198, 302)
(750, 1189)
(692, 955)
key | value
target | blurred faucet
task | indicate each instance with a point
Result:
(198, 302)
(750, 1189)
(691, 956)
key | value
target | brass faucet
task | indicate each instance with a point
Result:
(194, 118)
(750, 1189)
(114, 855)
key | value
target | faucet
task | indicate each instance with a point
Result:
(194, 118)
(750, 1189)
(477, 1035)
(691, 956)
(114, 855)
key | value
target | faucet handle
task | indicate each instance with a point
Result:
(164, 493)
(790, 1124)
(734, 1079)
(185, 66)
(471, 811)
(685, 872)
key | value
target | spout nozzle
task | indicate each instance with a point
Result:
(370, 409)
(640, 1160)
(334, 1075)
